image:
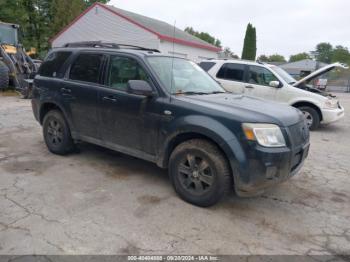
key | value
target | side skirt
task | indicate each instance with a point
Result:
(118, 148)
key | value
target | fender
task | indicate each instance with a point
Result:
(210, 128)
(308, 101)
(304, 100)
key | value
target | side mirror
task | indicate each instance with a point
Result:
(275, 84)
(139, 87)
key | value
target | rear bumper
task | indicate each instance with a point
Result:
(332, 115)
(267, 167)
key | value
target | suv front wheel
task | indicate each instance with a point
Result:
(199, 172)
(57, 135)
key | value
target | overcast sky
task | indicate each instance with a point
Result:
(283, 26)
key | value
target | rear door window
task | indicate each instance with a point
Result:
(86, 68)
(52, 65)
(231, 71)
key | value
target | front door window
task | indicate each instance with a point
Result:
(260, 76)
(123, 69)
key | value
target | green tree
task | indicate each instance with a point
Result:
(324, 52)
(229, 54)
(299, 57)
(33, 17)
(204, 36)
(249, 47)
(263, 58)
(341, 54)
(88, 3)
(64, 11)
(272, 58)
(277, 58)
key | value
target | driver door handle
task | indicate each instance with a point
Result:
(110, 98)
(249, 86)
(66, 90)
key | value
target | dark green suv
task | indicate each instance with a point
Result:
(169, 111)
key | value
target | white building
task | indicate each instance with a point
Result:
(110, 24)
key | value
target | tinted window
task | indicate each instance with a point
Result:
(86, 68)
(231, 71)
(53, 64)
(123, 69)
(206, 66)
(261, 76)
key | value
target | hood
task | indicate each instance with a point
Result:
(245, 109)
(319, 72)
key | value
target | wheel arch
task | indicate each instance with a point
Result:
(309, 104)
(46, 107)
(213, 132)
(50, 105)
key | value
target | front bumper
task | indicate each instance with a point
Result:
(332, 115)
(267, 167)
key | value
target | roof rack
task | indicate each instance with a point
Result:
(100, 44)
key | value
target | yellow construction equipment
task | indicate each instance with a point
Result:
(16, 66)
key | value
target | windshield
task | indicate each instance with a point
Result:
(180, 76)
(8, 34)
(284, 75)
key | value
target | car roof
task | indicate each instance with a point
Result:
(140, 53)
(236, 61)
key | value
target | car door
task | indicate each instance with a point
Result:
(129, 122)
(80, 92)
(258, 83)
(231, 76)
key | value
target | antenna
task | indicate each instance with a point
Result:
(172, 64)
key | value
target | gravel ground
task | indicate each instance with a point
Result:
(101, 202)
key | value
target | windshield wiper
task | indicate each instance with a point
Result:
(217, 92)
(190, 93)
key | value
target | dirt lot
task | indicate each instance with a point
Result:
(101, 202)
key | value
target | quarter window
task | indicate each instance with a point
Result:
(86, 68)
(230, 71)
(53, 64)
(261, 76)
(123, 69)
(206, 66)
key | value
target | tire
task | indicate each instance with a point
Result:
(4, 76)
(199, 172)
(56, 133)
(312, 117)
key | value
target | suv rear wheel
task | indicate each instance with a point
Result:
(312, 117)
(57, 134)
(199, 172)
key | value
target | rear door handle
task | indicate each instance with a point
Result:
(110, 98)
(66, 90)
(251, 87)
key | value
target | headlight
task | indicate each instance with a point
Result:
(268, 135)
(331, 104)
